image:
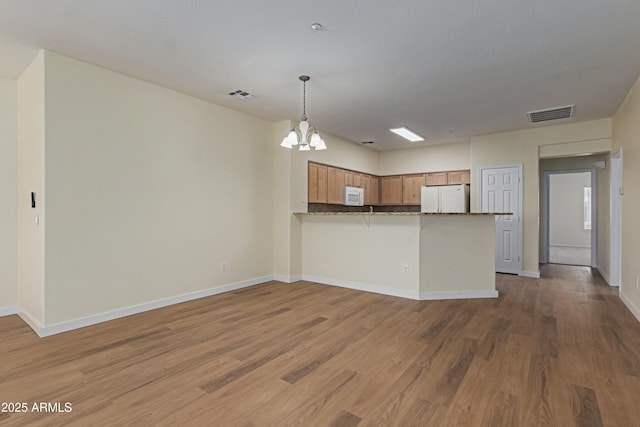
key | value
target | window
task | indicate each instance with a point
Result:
(587, 208)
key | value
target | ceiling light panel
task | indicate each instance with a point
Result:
(407, 133)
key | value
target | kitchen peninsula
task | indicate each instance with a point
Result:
(423, 256)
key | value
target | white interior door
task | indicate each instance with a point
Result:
(501, 193)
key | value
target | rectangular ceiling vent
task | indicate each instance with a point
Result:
(240, 94)
(551, 114)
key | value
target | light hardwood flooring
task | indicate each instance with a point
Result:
(561, 350)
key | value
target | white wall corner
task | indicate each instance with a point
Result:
(8, 311)
(605, 276)
(634, 309)
(532, 274)
(287, 279)
(32, 322)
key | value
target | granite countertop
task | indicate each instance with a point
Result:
(405, 213)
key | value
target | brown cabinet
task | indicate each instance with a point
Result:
(436, 178)
(335, 185)
(412, 188)
(375, 190)
(459, 177)
(326, 185)
(357, 180)
(317, 184)
(348, 178)
(365, 180)
(391, 190)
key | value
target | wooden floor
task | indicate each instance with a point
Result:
(562, 350)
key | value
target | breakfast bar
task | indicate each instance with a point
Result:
(415, 255)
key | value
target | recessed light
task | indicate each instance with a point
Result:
(407, 133)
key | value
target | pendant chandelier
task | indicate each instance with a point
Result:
(303, 134)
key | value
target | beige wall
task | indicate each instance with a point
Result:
(603, 199)
(626, 134)
(8, 194)
(363, 252)
(454, 255)
(522, 147)
(443, 157)
(148, 192)
(370, 252)
(31, 128)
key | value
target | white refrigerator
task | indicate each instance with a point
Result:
(445, 198)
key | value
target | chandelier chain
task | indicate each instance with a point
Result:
(304, 100)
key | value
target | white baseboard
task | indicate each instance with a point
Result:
(8, 311)
(45, 331)
(458, 295)
(287, 279)
(362, 287)
(366, 287)
(630, 305)
(532, 274)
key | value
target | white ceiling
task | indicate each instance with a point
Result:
(446, 69)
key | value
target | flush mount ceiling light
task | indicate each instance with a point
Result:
(407, 133)
(302, 134)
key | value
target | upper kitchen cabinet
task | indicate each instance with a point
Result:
(375, 190)
(391, 190)
(371, 185)
(459, 177)
(411, 188)
(352, 179)
(366, 185)
(335, 185)
(436, 178)
(317, 183)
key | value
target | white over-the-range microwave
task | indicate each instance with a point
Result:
(353, 196)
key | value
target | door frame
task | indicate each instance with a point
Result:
(520, 271)
(615, 262)
(545, 212)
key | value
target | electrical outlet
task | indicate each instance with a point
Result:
(223, 266)
(405, 269)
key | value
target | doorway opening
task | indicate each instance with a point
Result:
(569, 220)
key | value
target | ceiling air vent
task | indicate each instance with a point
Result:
(241, 94)
(366, 142)
(551, 114)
